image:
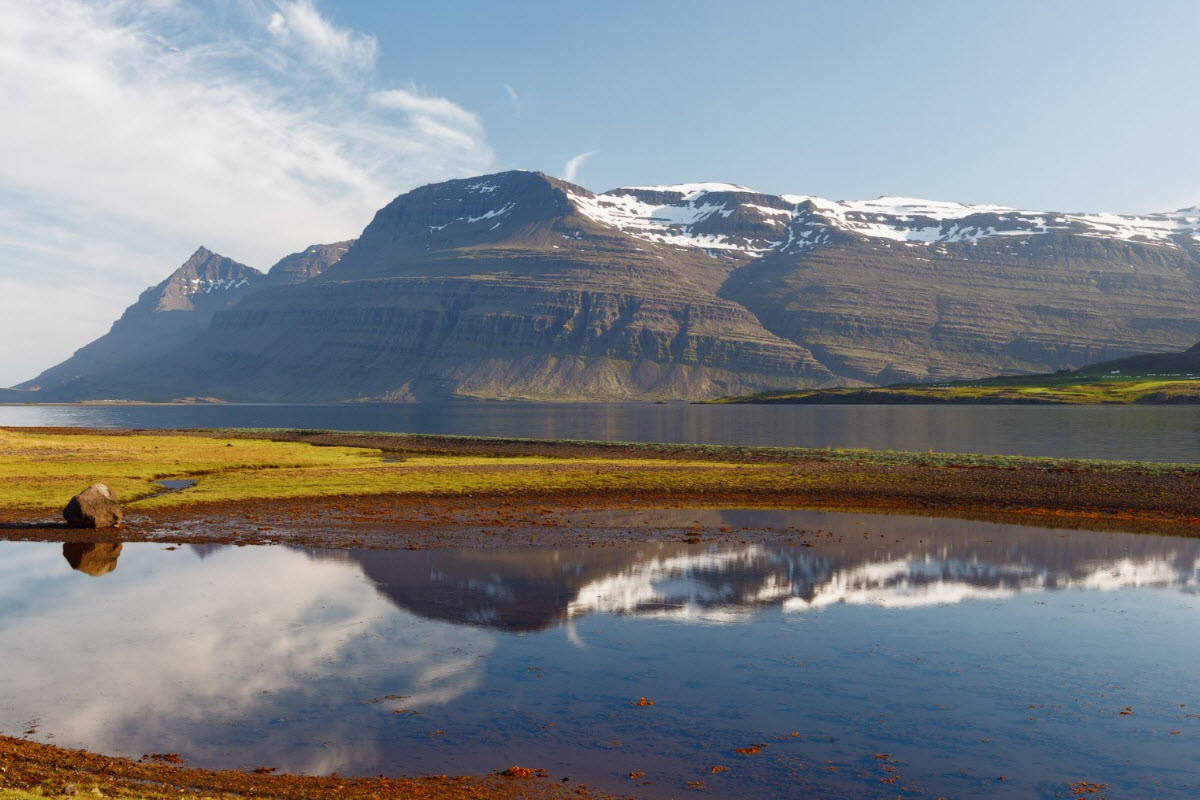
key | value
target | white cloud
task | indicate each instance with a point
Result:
(139, 131)
(514, 99)
(334, 48)
(422, 106)
(571, 168)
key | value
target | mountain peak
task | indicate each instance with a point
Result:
(204, 273)
(308, 263)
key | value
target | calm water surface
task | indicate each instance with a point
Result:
(1125, 432)
(965, 652)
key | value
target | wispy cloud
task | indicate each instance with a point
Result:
(571, 168)
(337, 49)
(146, 129)
(514, 99)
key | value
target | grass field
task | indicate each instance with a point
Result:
(1065, 389)
(41, 471)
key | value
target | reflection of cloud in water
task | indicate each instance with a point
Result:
(917, 583)
(251, 633)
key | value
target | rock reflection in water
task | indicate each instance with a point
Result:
(94, 559)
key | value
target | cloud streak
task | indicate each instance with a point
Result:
(571, 168)
(337, 49)
(148, 129)
(514, 99)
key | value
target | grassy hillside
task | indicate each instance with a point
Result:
(1070, 389)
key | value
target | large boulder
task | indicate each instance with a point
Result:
(95, 559)
(94, 507)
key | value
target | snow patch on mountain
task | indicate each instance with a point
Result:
(684, 214)
(671, 223)
(206, 286)
(495, 212)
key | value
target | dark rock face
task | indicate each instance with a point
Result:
(92, 558)
(884, 312)
(492, 287)
(94, 507)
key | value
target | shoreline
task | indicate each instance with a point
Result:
(502, 491)
(30, 769)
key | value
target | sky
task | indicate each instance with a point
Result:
(137, 130)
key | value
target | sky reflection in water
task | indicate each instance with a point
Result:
(964, 651)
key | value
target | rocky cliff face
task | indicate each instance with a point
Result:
(521, 285)
(308, 263)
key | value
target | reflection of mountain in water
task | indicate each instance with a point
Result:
(918, 562)
(92, 559)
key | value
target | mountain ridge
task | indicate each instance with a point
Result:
(519, 284)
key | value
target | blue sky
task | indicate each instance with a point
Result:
(1082, 106)
(256, 127)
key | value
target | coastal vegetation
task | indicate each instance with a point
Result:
(40, 471)
(1067, 389)
(232, 471)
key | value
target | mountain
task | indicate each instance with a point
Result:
(169, 316)
(521, 285)
(308, 263)
(531, 590)
(164, 317)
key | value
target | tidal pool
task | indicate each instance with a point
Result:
(896, 655)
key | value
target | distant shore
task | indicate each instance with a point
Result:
(330, 489)
(1033, 390)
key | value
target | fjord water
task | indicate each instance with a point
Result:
(1150, 433)
(943, 658)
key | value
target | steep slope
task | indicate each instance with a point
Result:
(939, 291)
(167, 317)
(494, 286)
(164, 317)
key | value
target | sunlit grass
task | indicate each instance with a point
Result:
(43, 471)
(1051, 389)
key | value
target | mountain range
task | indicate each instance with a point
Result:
(522, 285)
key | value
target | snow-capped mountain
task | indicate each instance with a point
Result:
(518, 284)
(916, 567)
(727, 217)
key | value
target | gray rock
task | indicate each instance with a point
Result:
(94, 507)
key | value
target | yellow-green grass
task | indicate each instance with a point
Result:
(41, 471)
(1045, 389)
(84, 791)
